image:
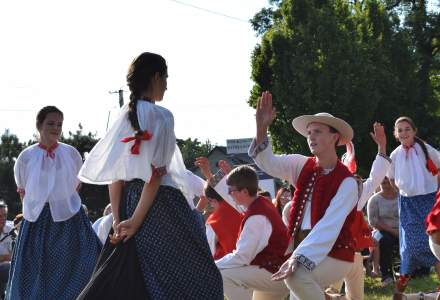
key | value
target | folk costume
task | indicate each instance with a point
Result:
(259, 251)
(322, 213)
(171, 228)
(354, 280)
(416, 178)
(433, 224)
(56, 249)
(222, 229)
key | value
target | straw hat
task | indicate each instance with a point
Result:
(300, 124)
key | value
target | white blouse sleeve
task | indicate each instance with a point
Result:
(160, 123)
(218, 183)
(378, 171)
(286, 167)
(212, 239)
(252, 240)
(392, 168)
(20, 172)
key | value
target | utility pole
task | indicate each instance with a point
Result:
(120, 92)
(121, 96)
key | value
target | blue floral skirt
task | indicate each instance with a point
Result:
(413, 240)
(169, 254)
(53, 260)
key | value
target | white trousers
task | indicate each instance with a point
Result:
(309, 285)
(354, 281)
(252, 282)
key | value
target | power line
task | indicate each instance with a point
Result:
(15, 110)
(210, 11)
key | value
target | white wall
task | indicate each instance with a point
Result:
(267, 185)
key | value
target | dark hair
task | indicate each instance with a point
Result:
(42, 114)
(139, 76)
(264, 194)
(3, 204)
(244, 177)
(211, 193)
(416, 138)
(277, 201)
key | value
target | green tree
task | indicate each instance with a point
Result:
(10, 148)
(350, 59)
(191, 149)
(422, 24)
(81, 141)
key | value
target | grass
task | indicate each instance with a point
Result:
(373, 290)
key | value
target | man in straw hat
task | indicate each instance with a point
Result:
(323, 206)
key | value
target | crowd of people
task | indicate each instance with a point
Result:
(155, 242)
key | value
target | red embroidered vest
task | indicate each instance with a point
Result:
(225, 221)
(324, 188)
(361, 232)
(272, 257)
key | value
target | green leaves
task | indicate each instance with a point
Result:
(353, 60)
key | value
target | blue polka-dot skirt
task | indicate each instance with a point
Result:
(53, 260)
(414, 242)
(173, 253)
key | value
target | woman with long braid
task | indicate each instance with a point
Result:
(413, 172)
(158, 235)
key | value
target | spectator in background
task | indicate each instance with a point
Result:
(5, 246)
(284, 195)
(383, 215)
(264, 193)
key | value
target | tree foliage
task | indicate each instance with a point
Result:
(191, 149)
(354, 60)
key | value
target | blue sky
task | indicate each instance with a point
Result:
(71, 54)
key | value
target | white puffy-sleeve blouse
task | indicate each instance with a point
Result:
(112, 159)
(409, 171)
(49, 179)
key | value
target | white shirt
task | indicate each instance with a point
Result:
(111, 160)
(378, 172)
(286, 213)
(253, 239)
(322, 237)
(6, 244)
(49, 180)
(212, 238)
(408, 169)
(104, 227)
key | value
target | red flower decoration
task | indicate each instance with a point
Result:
(137, 138)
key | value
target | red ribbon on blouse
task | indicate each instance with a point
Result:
(429, 163)
(431, 167)
(137, 138)
(49, 150)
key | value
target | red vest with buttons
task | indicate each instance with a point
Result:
(226, 222)
(323, 189)
(272, 257)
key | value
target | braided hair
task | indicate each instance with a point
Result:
(139, 76)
